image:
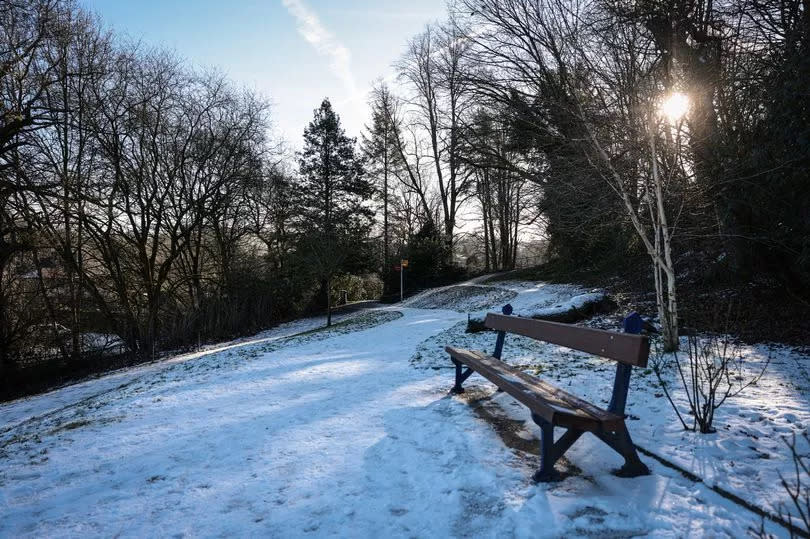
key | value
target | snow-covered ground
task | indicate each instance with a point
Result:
(351, 432)
(11, 414)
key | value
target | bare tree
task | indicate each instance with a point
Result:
(135, 196)
(503, 189)
(272, 212)
(434, 68)
(27, 72)
(65, 157)
(596, 89)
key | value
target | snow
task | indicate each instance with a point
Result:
(545, 299)
(534, 299)
(351, 431)
(462, 298)
(35, 407)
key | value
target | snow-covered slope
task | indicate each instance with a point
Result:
(340, 433)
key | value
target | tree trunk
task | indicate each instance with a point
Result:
(328, 301)
(664, 247)
(385, 201)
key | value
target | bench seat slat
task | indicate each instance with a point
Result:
(549, 402)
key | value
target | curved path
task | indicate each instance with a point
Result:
(339, 437)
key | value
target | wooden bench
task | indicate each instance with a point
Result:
(553, 407)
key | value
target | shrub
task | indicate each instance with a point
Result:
(798, 488)
(713, 371)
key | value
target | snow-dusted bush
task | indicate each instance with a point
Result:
(714, 370)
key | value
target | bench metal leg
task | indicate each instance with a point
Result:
(460, 377)
(551, 451)
(633, 467)
(546, 471)
(566, 441)
(457, 388)
(621, 442)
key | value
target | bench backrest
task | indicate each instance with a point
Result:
(622, 347)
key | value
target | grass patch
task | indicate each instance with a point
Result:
(464, 298)
(360, 322)
(71, 425)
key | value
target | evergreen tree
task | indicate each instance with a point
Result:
(383, 160)
(332, 201)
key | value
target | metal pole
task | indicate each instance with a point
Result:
(401, 281)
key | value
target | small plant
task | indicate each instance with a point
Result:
(797, 520)
(797, 516)
(713, 372)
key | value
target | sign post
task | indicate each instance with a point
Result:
(402, 265)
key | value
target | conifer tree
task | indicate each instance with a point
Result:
(383, 160)
(334, 216)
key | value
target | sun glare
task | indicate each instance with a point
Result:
(675, 106)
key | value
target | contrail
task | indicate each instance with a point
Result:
(324, 42)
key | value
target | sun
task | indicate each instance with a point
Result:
(674, 106)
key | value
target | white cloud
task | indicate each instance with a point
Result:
(324, 42)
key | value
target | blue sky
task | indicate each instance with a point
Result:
(296, 52)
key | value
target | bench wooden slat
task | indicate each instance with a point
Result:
(623, 347)
(549, 402)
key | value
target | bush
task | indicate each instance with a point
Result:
(430, 261)
(357, 287)
(713, 372)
